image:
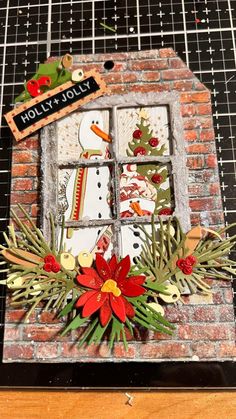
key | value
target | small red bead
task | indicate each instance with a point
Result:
(192, 260)
(187, 270)
(50, 259)
(156, 178)
(140, 151)
(56, 267)
(137, 134)
(180, 263)
(47, 267)
(154, 142)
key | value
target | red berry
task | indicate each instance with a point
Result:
(157, 178)
(47, 267)
(192, 260)
(187, 270)
(137, 134)
(154, 142)
(165, 211)
(56, 267)
(180, 263)
(140, 151)
(49, 259)
(187, 263)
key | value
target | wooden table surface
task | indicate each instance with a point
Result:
(104, 405)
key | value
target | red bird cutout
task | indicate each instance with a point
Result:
(33, 86)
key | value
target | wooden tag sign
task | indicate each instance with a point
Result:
(54, 104)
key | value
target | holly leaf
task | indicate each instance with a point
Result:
(23, 97)
(47, 69)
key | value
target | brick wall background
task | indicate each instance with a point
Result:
(205, 326)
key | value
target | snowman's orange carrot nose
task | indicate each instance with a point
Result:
(100, 133)
(136, 208)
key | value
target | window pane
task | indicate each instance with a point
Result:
(143, 131)
(84, 135)
(145, 189)
(89, 240)
(131, 240)
(85, 193)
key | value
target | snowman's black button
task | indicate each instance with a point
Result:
(135, 245)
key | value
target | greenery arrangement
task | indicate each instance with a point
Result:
(107, 298)
(49, 76)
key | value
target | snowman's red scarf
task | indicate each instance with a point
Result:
(80, 186)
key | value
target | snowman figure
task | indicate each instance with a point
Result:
(87, 191)
(137, 195)
(88, 187)
(137, 199)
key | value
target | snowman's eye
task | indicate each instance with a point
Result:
(97, 122)
(131, 201)
(138, 201)
(93, 122)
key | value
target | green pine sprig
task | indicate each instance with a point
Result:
(161, 249)
(36, 286)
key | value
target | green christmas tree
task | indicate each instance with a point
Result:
(144, 143)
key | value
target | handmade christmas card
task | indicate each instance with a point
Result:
(117, 248)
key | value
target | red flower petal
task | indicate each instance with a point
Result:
(122, 269)
(130, 289)
(118, 307)
(84, 298)
(94, 303)
(113, 265)
(129, 309)
(102, 267)
(91, 272)
(105, 313)
(90, 281)
(138, 279)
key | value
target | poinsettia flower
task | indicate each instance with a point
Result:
(109, 285)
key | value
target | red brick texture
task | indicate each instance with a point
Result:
(205, 326)
(205, 330)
